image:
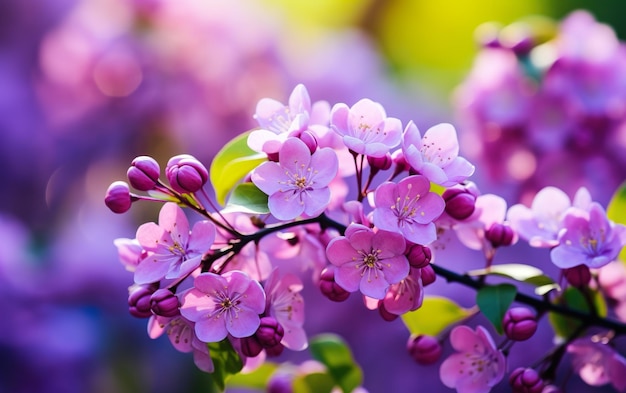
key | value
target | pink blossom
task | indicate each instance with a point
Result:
(172, 250)
(365, 127)
(477, 366)
(368, 261)
(224, 304)
(285, 303)
(406, 295)
(129, 252)
(408, 207)
(299, 182)
(436, 155)
(597, 363)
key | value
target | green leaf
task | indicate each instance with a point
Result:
(256, 379)
(616, 212)
(516, 271)
(313, 383)
(247, 198)
(334, 353)
(231, 164)
(225, 361)
(573, 298)
(494, 301)
(434, 316)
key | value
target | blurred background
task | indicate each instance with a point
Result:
(87, 85)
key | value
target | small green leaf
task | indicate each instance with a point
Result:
(334, 353)
(231, 164)
(616, 212)
(247, 198)
(516, 271)
(494, 301)
(313, 383)
(226, 362)
(436, 314)
(256, 379)
(573, 298)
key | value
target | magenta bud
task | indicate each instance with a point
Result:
(270, 332)
(500, 235)
(526, 380)
(309, 140)
(381, 163)
(424, 349)
(272, 157)
(578, 276)
(386, 315)
(139, 300)
(250, 346)
(118, 197)
(428, 275)
(164, 303)
(274, 351)
(143, 173)
(460, 201)
(330, 288)
(519, 323)
(419, 256)
(186, 174)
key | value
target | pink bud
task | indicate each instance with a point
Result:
(578, 276)
(424, 349)
(186, 174)
(164, 303)
(500, 235)
(381, 163)
(139, 300)
(460, 201)
(274, 351)
(519, 323)
(309, 140)
(143, 173)
(118, 197)
(428, 275)
(419, 256)
(250, 346)
(330, 288)
(526, 380)
(270, 332)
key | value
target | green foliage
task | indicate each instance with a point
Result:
(573, 298)
(616, 212)
(225, 361)
(494, 300)
(256, 379)
(521, 273)
(247, 198)
(313, 383)
(333, 352)
(231, 164)
(434, 316)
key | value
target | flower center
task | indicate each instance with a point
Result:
(433, 154)
(406, 208)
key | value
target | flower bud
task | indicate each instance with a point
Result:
(578, 276)
(500, 235)
(428, 275)
(118, 197)
(330, 288)
(386, 315)
(164, 303)
(381, 163)
(274, 351)
(525, 380)
(186, 174)
(519, 323)
(424, 349)
(270, 332)
(460, 201)
(250, 346)
(309, 140)
(139, 300)
(419, 256)
(143, 173)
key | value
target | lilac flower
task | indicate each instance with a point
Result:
(365, 127)
(490, 211)
(299, 182)
(224, 304)
(285, 303)
(436, 155)
(478, 365)
(597, 363)
(406, 295)
(368, 261)
(588, 238)
(172, 251)
(408, 207)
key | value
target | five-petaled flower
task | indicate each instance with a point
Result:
(597, 363)
(224, 304)
(368, 261)
(408, 207)
(478, 365)
(298, 183)
(172, 251)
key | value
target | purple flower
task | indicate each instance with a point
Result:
(436, 155)
(172, 251)
(408, 207)
(406, 295)
(588, 238)
(365, 127)
(222, 305)
(285, 303)
(298, 183)
(478, 365)
(368, 261)
(597, 363)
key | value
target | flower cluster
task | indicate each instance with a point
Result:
(360, 205)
